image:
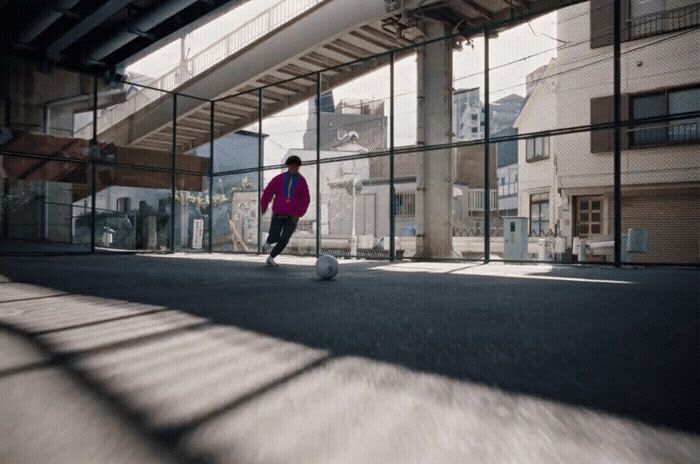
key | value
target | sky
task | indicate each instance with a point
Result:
(526, 47)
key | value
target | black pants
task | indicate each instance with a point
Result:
(281, 230)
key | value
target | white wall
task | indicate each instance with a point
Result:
(588, 73)
(579, 74)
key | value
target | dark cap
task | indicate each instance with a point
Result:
(294, 159)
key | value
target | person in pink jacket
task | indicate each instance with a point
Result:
(291, 194)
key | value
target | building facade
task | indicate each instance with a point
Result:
(566, 181)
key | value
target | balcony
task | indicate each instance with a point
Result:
(675, 133)
(664, 21)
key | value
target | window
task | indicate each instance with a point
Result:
(537, 149)
(405, 204)
(684, 101)
(474, 130)
(640, 8)
(475, 117)
(589, 216)
(666, 103)
(539, 214)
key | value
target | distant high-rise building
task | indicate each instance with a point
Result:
(504, 112)
(362, 120)
(468, 113)
(468, 110)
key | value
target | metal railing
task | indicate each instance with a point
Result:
(476, 199)
(269, 20)
(665, 21)
(680, 132)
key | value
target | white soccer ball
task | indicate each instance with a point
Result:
(326, 267)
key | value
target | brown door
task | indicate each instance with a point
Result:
(589, 216)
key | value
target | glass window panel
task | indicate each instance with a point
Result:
(646, 7)
(546, 60)
(595, 228)
(192, 212)
(138, 132)
(236, 133)
(355, 198)
(235, 213)
(468, 97)
(648, 106)
(684, 101)
(193, 134)
(289, 125)
(147, 225)
(405, 100)
(44, 205)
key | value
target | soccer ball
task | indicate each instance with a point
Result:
(326, 267)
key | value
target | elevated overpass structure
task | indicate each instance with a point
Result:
(283, 48)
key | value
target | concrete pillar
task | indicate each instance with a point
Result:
(435, 168)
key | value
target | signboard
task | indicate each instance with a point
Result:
(197, 233)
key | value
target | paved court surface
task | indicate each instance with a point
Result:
(221, 359)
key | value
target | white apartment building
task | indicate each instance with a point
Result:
(566, 181)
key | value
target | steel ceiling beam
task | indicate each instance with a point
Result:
(96, 19)
(143, 23)
(45, 20)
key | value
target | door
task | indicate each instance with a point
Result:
(589, 216)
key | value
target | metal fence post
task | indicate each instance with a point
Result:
(261, 161)
(487, 155)
(93, 168)
(211, 176)
(617, 143)
(318, 164)
(392, 190)
(173, 175)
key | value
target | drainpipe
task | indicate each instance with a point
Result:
(137, 28)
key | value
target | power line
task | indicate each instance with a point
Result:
(629, 50)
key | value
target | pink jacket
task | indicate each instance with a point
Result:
(291, 195)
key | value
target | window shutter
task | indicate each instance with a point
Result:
(602, 111)
(601, 22)
(625, 16)
(601, 17)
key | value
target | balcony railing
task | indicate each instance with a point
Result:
(273, 18)
(475, 200)
(665, 21)
(675, 133)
